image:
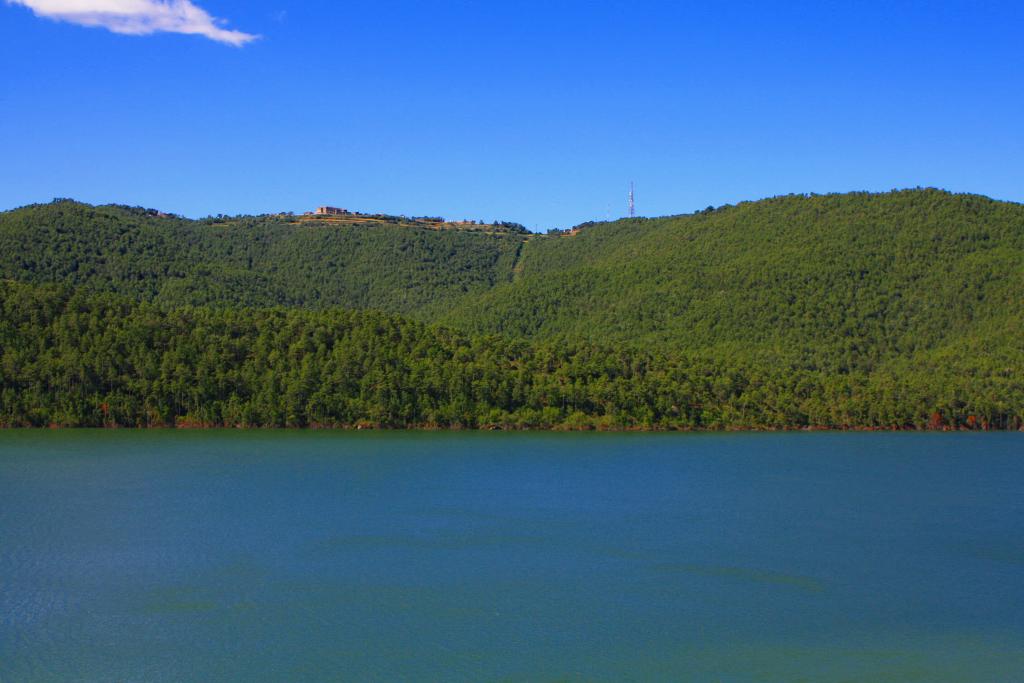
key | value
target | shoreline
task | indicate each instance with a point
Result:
(506, 428)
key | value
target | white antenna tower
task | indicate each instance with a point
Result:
(632, 205)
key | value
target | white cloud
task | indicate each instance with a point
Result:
(138, 17)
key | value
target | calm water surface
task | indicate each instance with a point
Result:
(169, 556)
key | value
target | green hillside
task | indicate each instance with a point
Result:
(251, 261)
(903, 309)
(845, 281)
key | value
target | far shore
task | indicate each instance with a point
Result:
(192, 426)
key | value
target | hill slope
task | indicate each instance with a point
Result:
(842, 280)
(837, 282)
(894, 310)
(254, 261)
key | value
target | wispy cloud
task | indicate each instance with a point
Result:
(138, 17)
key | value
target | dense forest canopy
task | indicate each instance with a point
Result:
(250, 260)
(70, 358)
(845, 281)
(903, 309)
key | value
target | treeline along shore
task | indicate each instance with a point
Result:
(98, 360)
(902, 310)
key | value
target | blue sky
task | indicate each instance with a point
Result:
(535, 112)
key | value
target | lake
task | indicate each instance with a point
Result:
(404, 556)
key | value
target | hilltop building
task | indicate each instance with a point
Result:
(331, 211)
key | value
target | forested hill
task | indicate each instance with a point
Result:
(914, 299)
(844, 281)
(386, 263)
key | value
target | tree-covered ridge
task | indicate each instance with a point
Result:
(250, 261)
(92, 359)
(841, 282)
(894, 310)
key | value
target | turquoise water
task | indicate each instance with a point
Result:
(275, 555)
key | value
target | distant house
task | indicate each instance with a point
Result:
(330, 211)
